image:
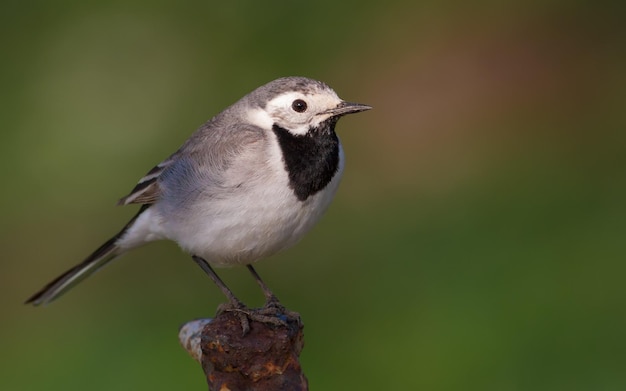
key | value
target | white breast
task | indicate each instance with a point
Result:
(257, 219)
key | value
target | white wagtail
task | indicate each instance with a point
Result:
(248, 183)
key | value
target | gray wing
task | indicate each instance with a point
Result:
(202, 159)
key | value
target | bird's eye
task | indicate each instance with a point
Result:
(299, 105)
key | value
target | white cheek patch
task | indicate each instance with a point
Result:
(300, 130)
(279, 111)
(260, 118)
(263, 120)
(284, 101)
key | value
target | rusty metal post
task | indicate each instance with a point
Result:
(265, 358)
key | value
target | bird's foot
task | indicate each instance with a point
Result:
(274, 309)
(240, 310)
(272, 313)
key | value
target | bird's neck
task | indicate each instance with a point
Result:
(311, 160)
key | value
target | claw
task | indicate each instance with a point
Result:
(272, 313)
(241, 311)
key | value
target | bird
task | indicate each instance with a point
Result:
(250, 182)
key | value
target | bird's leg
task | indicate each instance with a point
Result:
(272, 305)
(234, 305)
(204, 265)
(270, 298)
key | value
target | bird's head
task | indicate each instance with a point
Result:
(299, 105)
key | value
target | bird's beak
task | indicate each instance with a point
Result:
(344, 108)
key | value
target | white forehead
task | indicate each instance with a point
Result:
(319, 101)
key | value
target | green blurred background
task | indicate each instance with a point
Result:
(477, 241)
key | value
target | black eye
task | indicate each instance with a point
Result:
(299, 105)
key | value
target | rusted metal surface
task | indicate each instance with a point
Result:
(265, 358)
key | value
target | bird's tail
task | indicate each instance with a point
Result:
(103, 255)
